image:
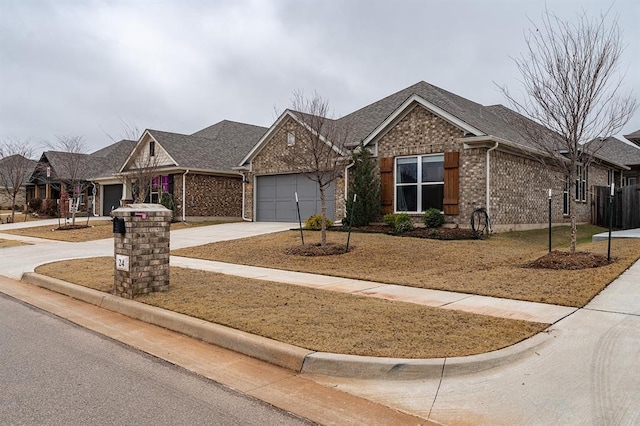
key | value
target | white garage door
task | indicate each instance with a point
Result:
(276, 200)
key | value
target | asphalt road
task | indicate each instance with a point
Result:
(56, 373)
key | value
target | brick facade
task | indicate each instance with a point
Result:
(145, 244)
(269, 161)
(518, 184)
(209, 195)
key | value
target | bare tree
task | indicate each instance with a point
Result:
(16, 167)
(72, 168)
(316, 146)
(144, 167)
(572, 86)
(141, 173)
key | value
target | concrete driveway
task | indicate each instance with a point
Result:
(17, 260)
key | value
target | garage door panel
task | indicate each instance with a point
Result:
(111, 195)
(275, 198)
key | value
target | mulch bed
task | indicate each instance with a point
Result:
(329, 249)
(70, 227)
(562, 260)
(418, 232)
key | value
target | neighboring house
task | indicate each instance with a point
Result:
(195, 170)
(623, 153)
(94, 174)
(434, 149)
(52, 171)
(12, 169)
(107, 186)
(631, 178)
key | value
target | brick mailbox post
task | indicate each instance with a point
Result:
(141, 248)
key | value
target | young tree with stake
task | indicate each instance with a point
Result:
(572, 86)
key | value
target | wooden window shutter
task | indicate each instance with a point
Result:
(451, 182)
(386, 184)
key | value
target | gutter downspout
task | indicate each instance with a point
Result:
(184, 195)
(488, 182)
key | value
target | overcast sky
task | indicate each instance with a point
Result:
(86, 67)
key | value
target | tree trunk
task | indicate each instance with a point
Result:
(323, 210)
(13, 210)
(574, 230)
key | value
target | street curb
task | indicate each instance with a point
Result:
(363, 367)
(292, 357)
(274, 352)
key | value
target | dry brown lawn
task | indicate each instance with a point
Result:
(491, 267)
(97, 230)
(10, 243)
(315, 319)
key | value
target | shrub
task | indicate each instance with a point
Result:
(167, 201)
(35, 204)
(433, 218)
(315, 222)
(401, 222)
(49, 208)
(363, 181)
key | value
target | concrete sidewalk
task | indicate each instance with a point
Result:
(627, 233)
(484, 305)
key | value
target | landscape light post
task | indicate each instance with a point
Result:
(299, 218)
(351, 220)
(550, 220)
(611, 196)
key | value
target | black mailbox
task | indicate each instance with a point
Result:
(118, 225)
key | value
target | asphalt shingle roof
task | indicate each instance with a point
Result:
(634, 137)
(107, 161)
(620, 152)
(217, 148)
(496, 120)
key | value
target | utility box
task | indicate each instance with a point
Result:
(141, 249)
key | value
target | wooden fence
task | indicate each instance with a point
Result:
(626, 207)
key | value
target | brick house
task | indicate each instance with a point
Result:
(196, 170)
(434, 149)
(94, 173)
(14, 169)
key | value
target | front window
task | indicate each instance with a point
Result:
(419, 183)
(581, 183)
(159, 186)
(565, 197)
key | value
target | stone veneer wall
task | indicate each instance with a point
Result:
(146, 243)
(209, 195)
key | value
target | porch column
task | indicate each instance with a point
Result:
(126, 191)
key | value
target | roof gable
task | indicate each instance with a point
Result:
(297, 116)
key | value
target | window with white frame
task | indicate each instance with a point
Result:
(610, 176)
(419, 183)
(565, 197)
(291, 139)
(581, 183)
